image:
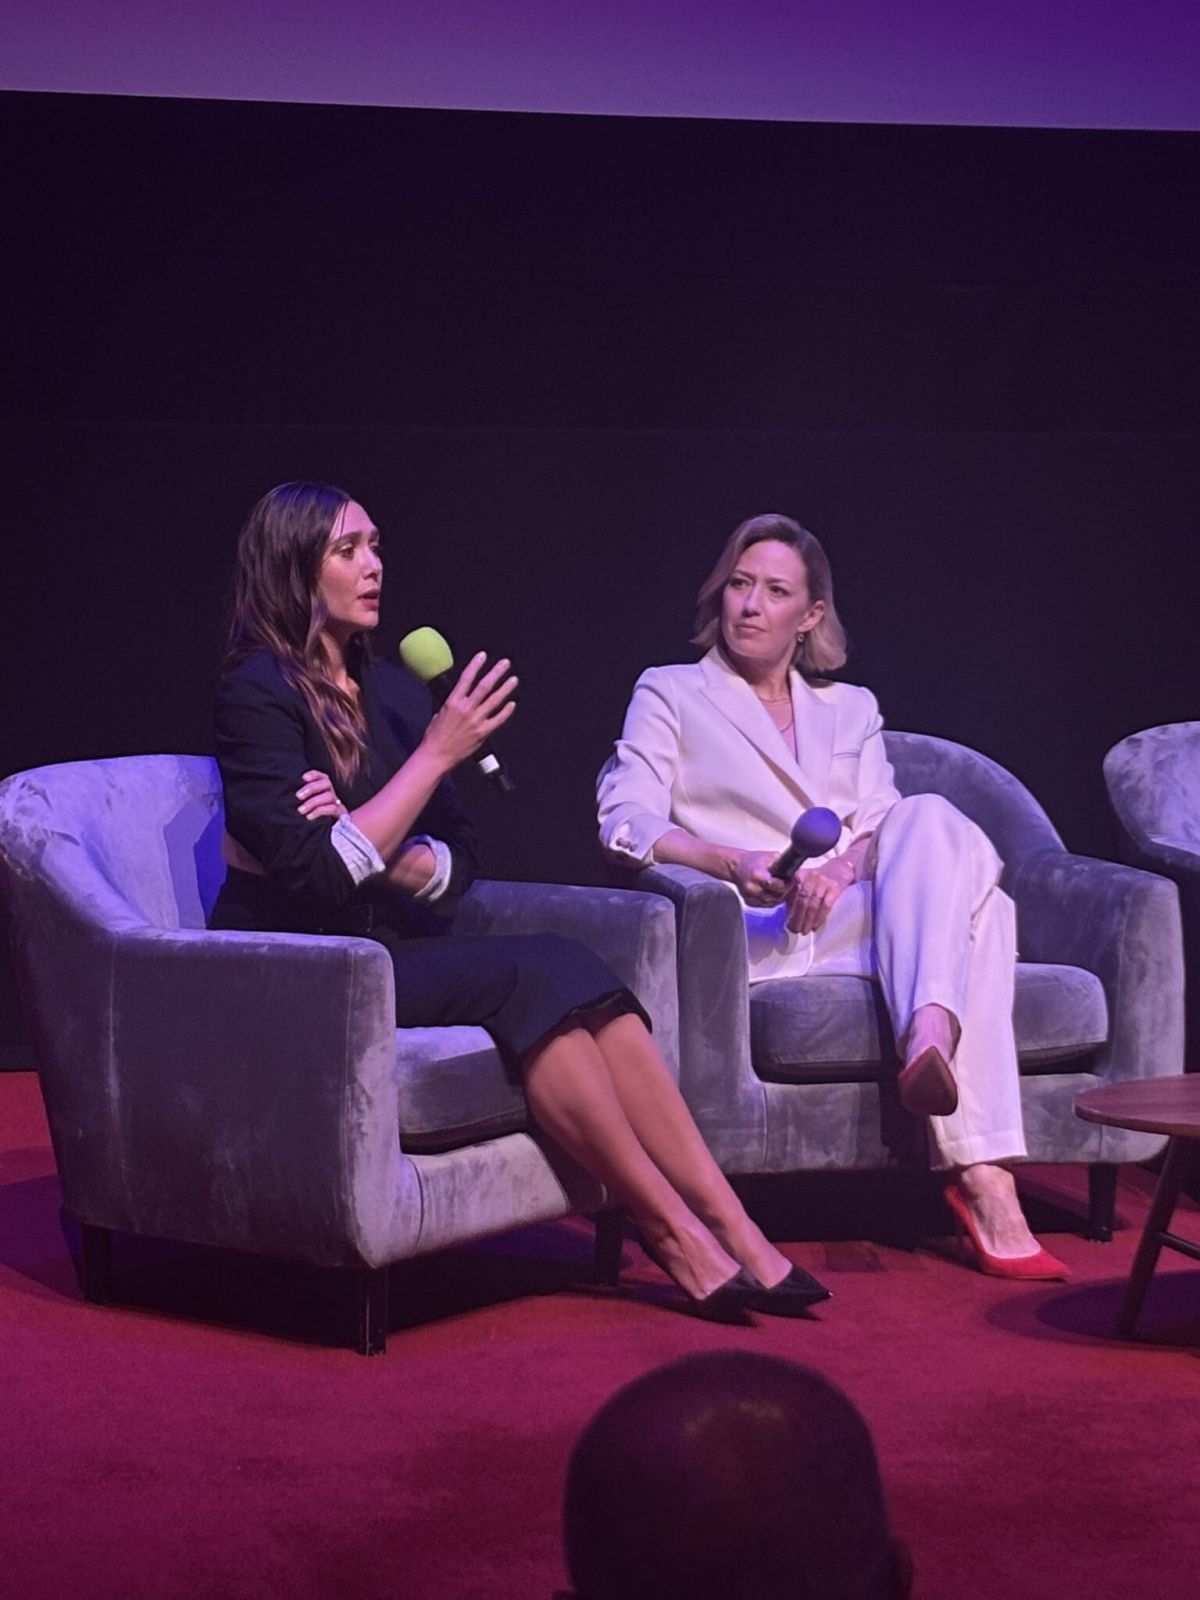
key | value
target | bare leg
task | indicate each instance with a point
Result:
(926, 1085)
(660, 1119)
(571, 1094)
(991, 1193)
(932, 1028)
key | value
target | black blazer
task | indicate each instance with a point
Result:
(265, 739)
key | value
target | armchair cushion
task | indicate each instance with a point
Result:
(454, 1089)
(829, 1029)
(1059, 1013)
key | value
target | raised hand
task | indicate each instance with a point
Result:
(479, 703)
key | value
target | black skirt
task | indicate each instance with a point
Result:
(521, 988)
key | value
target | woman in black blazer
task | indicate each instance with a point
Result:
(340, 818)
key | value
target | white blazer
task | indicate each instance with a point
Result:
(698, 751)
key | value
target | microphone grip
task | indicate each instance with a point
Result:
(490, 765)
(440, 685)
(485, 758)
(783, 866)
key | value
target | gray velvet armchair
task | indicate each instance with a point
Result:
(798, 1073)
(252, 1091)
(1153, 780)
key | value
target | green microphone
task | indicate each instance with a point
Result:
(428, 657)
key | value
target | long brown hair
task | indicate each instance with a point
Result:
(823, 648)
(274, 606)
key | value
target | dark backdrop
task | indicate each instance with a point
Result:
(558, 358)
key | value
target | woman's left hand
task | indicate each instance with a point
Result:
(317, 797)
(813, 894)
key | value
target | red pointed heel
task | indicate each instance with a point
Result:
(1041, 1266)
(927, 1087)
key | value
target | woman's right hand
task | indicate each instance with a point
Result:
(478, 704)
(754, 880)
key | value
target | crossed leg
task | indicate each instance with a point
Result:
(939, 934)
(611, 1102)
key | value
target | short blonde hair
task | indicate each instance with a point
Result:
(823, 648)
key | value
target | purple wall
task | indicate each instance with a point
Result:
(1040, 63)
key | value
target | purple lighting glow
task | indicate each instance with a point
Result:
(1045, 63)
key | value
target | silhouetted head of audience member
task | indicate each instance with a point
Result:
(729, 1475)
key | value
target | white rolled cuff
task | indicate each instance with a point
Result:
(359, 856)
(443, 866)
(632, 839)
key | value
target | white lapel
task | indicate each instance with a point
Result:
(816, 723)
(808, 773)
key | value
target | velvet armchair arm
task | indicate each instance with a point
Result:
(251, 1095)
(727, 1099)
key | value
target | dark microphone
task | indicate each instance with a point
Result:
(813, 833)
(427, 656)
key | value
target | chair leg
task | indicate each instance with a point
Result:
(1102, 1202)
(610, 1241)
(371, 1291)
(95, 1263)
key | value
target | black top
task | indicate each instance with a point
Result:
(266, 739)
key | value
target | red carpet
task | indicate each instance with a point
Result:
(149, 1454)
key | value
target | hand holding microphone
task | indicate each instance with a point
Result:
(811, 895)
(813, 833)
(473, 705)
(763, 881)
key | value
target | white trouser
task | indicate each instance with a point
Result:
(933, 927)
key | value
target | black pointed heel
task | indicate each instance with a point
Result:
(726, 1303)
(791, 1297)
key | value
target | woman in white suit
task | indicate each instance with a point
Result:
(716, 761)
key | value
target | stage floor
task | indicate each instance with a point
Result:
(203, 1442)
